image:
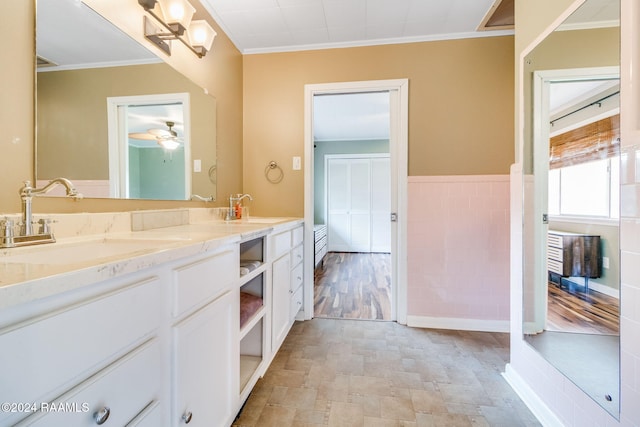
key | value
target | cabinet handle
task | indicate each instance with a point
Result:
(186, 417)
(101, 416)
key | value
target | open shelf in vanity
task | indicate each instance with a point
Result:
(253, 303)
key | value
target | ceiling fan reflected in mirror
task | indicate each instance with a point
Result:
(167, 138)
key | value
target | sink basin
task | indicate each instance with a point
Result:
(79, 252)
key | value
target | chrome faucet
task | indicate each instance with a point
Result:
(26, 194)
(26, 236)
(202, 199)
(235, 208)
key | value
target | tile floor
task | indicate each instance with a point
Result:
(351, 373)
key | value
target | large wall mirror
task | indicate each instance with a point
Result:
(113, 117)
(571, 200)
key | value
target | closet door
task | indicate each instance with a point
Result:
(381, 205)
(360, 211)
(359, 204)
(338, 204)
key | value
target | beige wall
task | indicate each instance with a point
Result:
(460, 109)
(533, 18)
(16, 103)
(220, 72)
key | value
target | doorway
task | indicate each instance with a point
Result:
(396, 215)
(149, 146)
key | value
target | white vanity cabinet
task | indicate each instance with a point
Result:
(286, 282)
(90, 351)
(167, 344)
(205, 341)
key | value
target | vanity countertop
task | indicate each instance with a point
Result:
(34, 272)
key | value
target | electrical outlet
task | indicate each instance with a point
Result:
(296, 163)
(605, 262)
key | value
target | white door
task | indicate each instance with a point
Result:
(380, 205)
(358, 204)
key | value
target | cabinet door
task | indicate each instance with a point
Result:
(206, 355)
(281, 284)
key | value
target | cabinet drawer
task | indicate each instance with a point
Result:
(151, 416)
(202, 280)
(554, 240)
(125, 388)
(297, 235)
(297, 276)
(280, 244)
(554, 253)
(54, 352)
(297, 255)
(554, 266)
(296, 304)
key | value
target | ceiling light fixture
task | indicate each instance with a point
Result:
(174, 18)
(166, 138)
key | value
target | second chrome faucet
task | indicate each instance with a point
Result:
(235, 206)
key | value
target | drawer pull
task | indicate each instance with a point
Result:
(186, 417)
(102, 415)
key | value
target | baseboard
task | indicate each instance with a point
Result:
(541, 411)
(594, 285)
(458, 324)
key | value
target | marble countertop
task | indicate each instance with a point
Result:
(34, 272)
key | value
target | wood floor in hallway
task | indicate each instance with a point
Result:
(353, 286)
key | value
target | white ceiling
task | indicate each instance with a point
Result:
(142, 118)
(343, 117)
(565, 95)
(73, 36)
(257, 26)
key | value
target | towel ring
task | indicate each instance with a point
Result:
(267, 173)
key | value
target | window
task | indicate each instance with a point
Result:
(588, 189)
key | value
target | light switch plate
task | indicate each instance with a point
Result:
(197, 165)
(296, 163)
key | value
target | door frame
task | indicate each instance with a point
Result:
(542, 79)
(398, 150)
(118, 139)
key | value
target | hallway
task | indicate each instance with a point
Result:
(353, 285)
(356, 373)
